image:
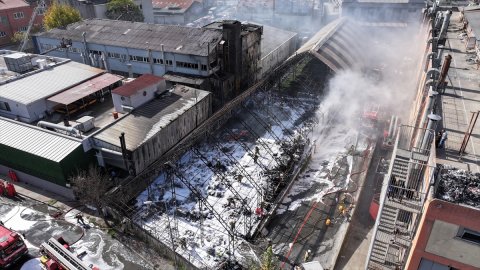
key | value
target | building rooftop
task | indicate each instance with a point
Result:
(44, 83)
(144, 122)
(173, 6)
(136, 85)
(473, 18)
(273, 37)
(144, 36)
(9, 4)
(36, 141)
(458, 186)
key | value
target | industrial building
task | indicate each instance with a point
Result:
(152, 129)
(41, 157)
(224, 56)
(31, 89)
(277, 46)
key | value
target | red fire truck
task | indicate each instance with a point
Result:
(12, 247)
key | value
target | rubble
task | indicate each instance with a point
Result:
(459, 186)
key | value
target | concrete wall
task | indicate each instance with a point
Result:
(40, 183)
(26, 113)
(443, 242)
(171, 134)
(436, 238)
(276, 57)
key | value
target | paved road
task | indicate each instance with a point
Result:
(33, 220)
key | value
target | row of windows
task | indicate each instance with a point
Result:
(21, 29)
(133, 58)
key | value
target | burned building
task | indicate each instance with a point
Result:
(151, 129)
(222, 57)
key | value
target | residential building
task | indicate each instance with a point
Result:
(176, 12)
(15, 16)
(222, 57)
(383, 11)
(429, 213)
(448, 236)
(90, 9)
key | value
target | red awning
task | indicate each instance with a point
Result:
(84, 89)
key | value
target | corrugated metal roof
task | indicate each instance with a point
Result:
(36, 141)
(144, 36)
(146, 121)
(86, 88)
(136, 85)
(47, 82)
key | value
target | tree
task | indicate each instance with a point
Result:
(60, 15)
(18, 37)
(269, 261)
(124, 10)
(90, 186)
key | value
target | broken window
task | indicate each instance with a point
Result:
(4, 106)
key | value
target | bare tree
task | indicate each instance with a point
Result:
(90, 186)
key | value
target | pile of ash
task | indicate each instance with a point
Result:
(459, 186)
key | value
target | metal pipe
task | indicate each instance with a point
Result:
(446, 21)
(430, 56)
(445, 68)
(432, 95)
(70, 130)
(432, 121)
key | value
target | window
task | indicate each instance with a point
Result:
(46, 46)
(169, 62)
(94, 52)
(187, 65)
(74, 50)
(469, 235)
(23, 29)
(3, 34)
(158, 61)
(138, 58)
(18, 15)
(4, 106)
(204, 67)
(113, 55)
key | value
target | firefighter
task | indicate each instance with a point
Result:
(80, 220)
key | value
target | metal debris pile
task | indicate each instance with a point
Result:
(459, 186)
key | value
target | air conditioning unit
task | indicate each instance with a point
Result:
(85, 123)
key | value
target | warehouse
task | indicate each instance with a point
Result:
(29, 150)
(226, 53)
(152, 129)
(277, 46)
(24, 97)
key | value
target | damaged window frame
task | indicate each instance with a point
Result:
(462, 232)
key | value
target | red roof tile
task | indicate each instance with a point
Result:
(9, 4)
(136, 85)
(180, 4)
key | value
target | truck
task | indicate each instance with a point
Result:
(56, 255)
(12, 247)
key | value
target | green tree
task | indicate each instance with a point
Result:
(124, 10)
(269, 261)
(60, 15)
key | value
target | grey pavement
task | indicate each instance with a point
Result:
(461, 98)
